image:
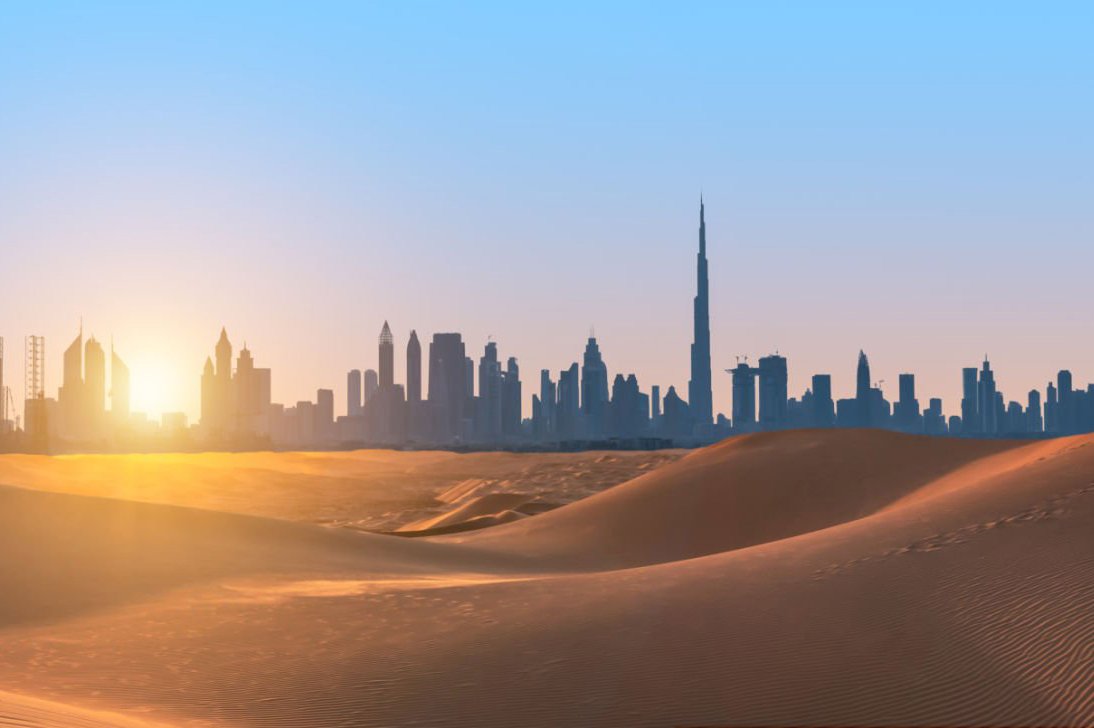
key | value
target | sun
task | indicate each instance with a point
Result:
(156, 384)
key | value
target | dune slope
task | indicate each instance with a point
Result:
(743, 491)
(912, 581)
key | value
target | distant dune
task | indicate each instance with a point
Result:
(808, 578)
(373, 490)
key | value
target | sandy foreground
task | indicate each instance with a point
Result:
(810, 577)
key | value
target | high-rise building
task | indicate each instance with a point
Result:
(699, 387)
(970, 399)
(569, 394)
(1051, 409)
(629, 410)
(225, 407)
(488, 405)
(35, 411)
(824, 408)
(372, 384)
(934, 422)
(773, 385)
(413, 369)
(594, 389)
(448, 391)
(71, 394)
(235, 403)
(1066, 408)
(511, 400)
(655, 403)
(744, 397)
(1034, 422)
(353, 393)
(387, 358)
(677, 420)
(987, 405)
(863, 395)
(251, 402)
(548, 397)
(907, 407)
(324, 414)
(224, 356)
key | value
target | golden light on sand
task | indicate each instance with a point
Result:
(808, 577)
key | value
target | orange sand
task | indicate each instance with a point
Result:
(816, 577)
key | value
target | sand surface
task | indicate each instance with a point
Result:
(811, 578)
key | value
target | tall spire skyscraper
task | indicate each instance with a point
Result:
(699, 393)
(387, 358)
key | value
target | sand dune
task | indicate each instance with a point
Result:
(482, 512)
(375, 490)
(741, 492)
(810, 578)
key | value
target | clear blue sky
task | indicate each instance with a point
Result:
(912, 179)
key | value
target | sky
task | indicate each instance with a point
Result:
(911, 179)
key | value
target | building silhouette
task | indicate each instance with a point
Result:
(448, 386)
(413, 368)
(863, 394)
(482, 406)
(594, 389)
(773, 392)
(699, 387)
(372, 384)
(823, 407)
(353, 393)
(387, 358)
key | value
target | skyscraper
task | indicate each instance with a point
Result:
(413, 368)
(372, 384)
(970, 398)
(862, 391)
(744, 396)
(1065, 407)
(773, 385)
(353, 393)
(699, 388)
(448, 390)
(488, 405)
(824, 409)
(907, 407)
(387, 358)
(1034, 422)
(324, 414)
(987, 405)
(569, 393)
(594, 389)
(511, 399)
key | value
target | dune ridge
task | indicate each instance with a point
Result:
(807, 578)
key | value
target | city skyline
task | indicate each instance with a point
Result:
(585, 404)
(883, 190)
(152, 378)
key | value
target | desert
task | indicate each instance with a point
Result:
(808, 577)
